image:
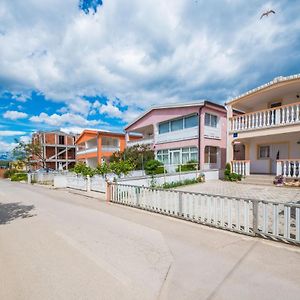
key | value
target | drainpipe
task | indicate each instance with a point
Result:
(199, 137)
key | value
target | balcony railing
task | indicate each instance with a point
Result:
(148, 141)
(86, 151)
(241, 167)
(282, 115)
(110, 148)
(288, 168)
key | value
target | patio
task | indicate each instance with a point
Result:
(232, 189)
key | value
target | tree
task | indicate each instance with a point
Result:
(28, 152)
(121, 167)
(138, 155)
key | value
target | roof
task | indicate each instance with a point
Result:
(274, 82)
(175, 105)
(99, 131)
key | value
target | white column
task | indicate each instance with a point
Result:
(229, 150)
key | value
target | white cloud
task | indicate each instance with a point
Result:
(60, 120)
(110, 109)
(77, 130)
(14, 115)
(25, 139)
(11, 133)
(7, 147)
(194, 51)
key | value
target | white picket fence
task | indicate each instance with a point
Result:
(279, 221)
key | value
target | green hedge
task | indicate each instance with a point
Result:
(19, 177)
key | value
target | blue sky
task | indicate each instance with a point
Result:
(98, 64)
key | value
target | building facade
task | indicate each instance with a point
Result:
(185, 132)
(94, 147)
(58, 150)
(265, 137)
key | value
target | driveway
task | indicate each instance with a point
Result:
(57, 245)
(233, 189)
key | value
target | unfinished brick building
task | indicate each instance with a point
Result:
(58, 150)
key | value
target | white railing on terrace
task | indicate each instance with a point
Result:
(88, 150)
(110, 148)
(241, 167)
(279, 221)
(148, 141)
(282, 115)
(288, 168)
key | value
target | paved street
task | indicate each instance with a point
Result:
(57, 245)
(233, 189)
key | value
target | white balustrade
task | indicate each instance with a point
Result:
(241, 167)
(288, 168)
(280, 221)
(148, 141)
(282, 115)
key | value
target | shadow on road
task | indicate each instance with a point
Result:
(12, 211)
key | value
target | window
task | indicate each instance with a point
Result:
(211, 120)
(163, 156)
(61, 140)
(191, 121)
(177, 125)
(163, 127)
(211, 155)
(264, 152)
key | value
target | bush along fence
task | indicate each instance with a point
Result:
(267, 219)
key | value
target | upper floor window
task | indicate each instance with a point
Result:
(178, 124)
(211, 120)
(61, 140)
(164, 127)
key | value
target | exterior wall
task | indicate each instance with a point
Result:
(49, 142)
(159, 115)
(215, 137)
(98, 155)
(220, 142)
(266, 166)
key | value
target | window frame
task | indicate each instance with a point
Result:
(210, 115)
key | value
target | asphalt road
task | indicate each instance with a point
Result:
(57, 245)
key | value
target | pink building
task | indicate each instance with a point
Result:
(182, 132)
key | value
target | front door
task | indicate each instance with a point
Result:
(278, 151)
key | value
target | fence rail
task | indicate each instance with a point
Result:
(279, 221)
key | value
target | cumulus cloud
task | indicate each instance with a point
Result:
(6, 147)
(130, 52)
(11, 132)
(60, 120)
(14, 115)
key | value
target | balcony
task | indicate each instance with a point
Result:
(269, 118)
(109, 148)
(148, 141)
(86, 151)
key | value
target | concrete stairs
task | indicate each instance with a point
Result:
(259, 179)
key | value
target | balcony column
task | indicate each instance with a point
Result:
(155, 133)
(229, 150)
(99, 148)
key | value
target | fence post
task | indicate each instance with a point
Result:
(255, 216)
(180, 203)
(28, 178)
(108, 191)
(88, 183)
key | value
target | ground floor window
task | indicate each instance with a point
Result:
(211, 155)
(264, 151)
(178, 155)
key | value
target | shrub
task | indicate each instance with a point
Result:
(229, 176)
(173, 184)
(153, 167)
(121, 167)
(19, 177)
(103, 169)
(8, 173)
(189, 166)
(83, 169)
